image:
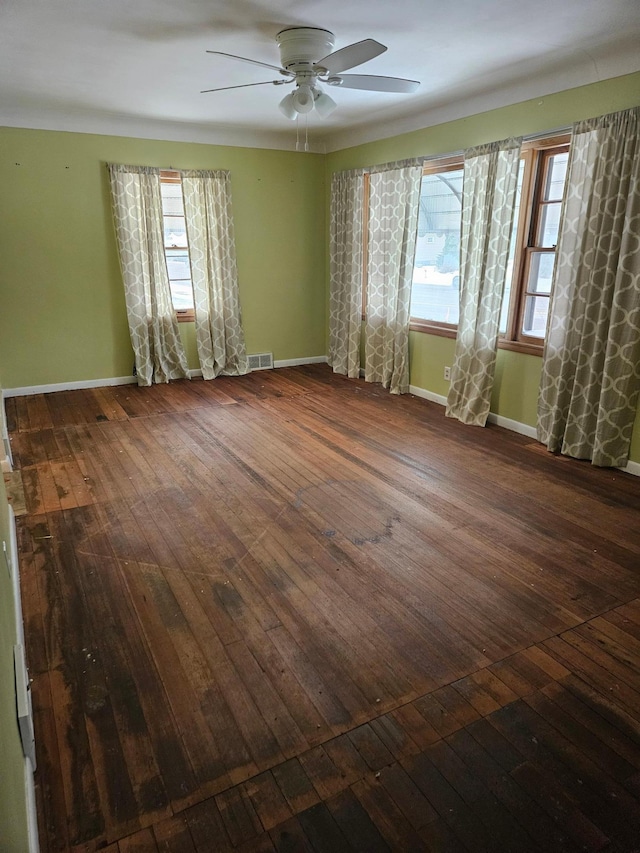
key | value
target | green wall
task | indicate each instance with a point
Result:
(517, 375)
(63, 314)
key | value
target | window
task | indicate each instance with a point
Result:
(525, 307)
(544, 172)
(436, 275)
(176, 247)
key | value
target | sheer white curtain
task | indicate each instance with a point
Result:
(394, 198)
(346, 266)
(137, 211)
(219, 334)
(591, 364)
(488, 207)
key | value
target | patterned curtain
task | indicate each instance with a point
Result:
(137, 212)
(488, 206)
(346, 259)
(591, 364)
(219, 335)
(394, 198)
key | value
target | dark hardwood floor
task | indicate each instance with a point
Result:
(289, 611)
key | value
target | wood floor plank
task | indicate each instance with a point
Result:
(583, 739)
(325, 777)
(39, 416)
(121, 632)
(484, 691)
(172, 835)
(281, 723)
(500, 825)
(594, 674)
(347, 757)
(11, 412)
(190, 712)
(417, 727)
(355, 823)
(370, 747)
(49, 784)
(525, 810)
(295, 785)
(289, 837)
(394, 736)
(268, 800)
(322, 830)
(550, 796)
(590, 715)
(388, 818)
(451, 807)
(407, 796)
(238, 815)
(595, 793)
(141, 842)
(207, 827)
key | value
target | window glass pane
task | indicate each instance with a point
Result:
(535, 316)
(175, 231)
(178, 264)
(182, 295)
(556, 173)
(176, 246)
(549, 223)
(172, 199)
(436, 276)
(504, 311)
(541, 272)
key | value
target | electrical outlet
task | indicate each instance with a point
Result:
(447, 373)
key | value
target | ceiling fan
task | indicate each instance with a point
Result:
(307, 61)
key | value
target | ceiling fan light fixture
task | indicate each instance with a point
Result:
(324, 105)
(287, 108)
(303, 99)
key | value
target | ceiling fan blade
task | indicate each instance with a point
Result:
(253, 62)
(371, 83)
(246, 86)
(350, 56)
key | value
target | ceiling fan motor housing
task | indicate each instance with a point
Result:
(300, 47)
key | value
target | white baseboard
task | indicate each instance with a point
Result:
(194, 374)
(14, 570)
(427, 395)
(296, 362)
(69, 386)
(6, 457)
(632, 468)
(32, 813)
(514, 426)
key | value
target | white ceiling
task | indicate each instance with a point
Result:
(136, 67)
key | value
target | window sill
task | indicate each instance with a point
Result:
(521, 346)
(443, 330)
(185, 316)
(447, 331)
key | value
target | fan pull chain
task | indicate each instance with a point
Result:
(306, 132)
(298, 132)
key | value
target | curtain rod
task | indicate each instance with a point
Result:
(532, 137)
(543, 134)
